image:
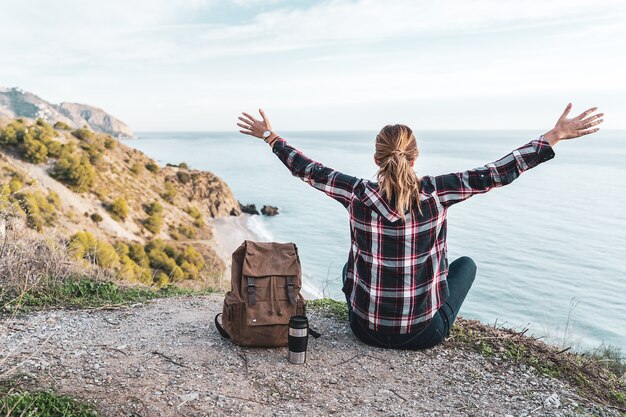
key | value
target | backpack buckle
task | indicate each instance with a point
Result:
(251, 291)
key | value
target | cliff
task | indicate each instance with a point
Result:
(15, 103)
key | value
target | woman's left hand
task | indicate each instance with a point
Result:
(254, 127)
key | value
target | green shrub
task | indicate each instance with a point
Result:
(154, 222)
(109, 142)
(62, 126)
(183, 165)
(183, 177)
(154, 208)
(152, 167)
(96, 218)
(73, 170)
(138, 254)
(119, 208)
(170, 192)
(84, 245)
(15, 185)
(83, 133)
(43, 131)
(187, 231)
(137, 168)
(33, 150)
(196, 214)
(161, 279)
(38, 209)
(54, 148)
(13, 133)
(54, 199)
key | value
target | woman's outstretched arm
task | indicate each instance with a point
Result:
(333, 183)
(456, 187)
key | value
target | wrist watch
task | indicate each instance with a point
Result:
(266, 135)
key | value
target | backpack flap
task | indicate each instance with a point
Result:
(267, 265)
(269, 258)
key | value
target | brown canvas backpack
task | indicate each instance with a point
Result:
(266, 278)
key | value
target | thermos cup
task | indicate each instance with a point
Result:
(298, 339)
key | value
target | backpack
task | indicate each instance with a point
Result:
(266, 279)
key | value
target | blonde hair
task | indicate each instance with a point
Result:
(396, 147)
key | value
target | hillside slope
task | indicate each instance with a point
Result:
(103, 195)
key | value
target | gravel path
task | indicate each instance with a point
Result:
(165, 358)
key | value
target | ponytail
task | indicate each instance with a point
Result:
(396, 147)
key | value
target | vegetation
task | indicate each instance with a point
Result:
(39, 209)
(330, 307)
(16, 401)
(170, 192)
(183, 165)
(96, 218)
(109, 142)
(196, 214)
(83, 133)
(83, 245)
(118, 209)
(177, 263)
(62, 126)
(34, 151)
(137, 168)
(152, 167)
(74, 170)
(154, 222)
(183, 177)
(598, 375)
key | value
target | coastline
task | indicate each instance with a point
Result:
(230, 232)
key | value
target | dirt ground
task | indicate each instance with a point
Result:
(165, 358)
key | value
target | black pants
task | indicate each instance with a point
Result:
(461, 274)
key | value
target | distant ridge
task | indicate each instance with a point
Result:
(15, 102)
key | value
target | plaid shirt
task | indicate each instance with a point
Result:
(396, 275)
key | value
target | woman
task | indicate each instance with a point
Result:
(400, 290)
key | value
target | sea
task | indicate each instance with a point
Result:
(550, 247)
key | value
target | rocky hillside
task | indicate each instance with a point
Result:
(15, 102)
(115, 205)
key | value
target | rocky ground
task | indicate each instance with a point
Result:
(165, 358)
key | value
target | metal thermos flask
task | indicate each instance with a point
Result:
(298, 339)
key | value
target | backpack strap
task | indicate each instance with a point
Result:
(251, 291)
(291, 291)
(220, 328)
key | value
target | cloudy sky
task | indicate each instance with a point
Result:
(321, 65)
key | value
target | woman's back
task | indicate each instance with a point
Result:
(397, 264)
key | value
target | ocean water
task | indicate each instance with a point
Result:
(550, 247)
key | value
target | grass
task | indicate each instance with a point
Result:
(332, 308)
(83, 293)
(598, 375)
(15, 401)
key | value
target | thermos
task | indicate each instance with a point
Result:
(298, 339)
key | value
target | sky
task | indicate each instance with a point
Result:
(194, 65)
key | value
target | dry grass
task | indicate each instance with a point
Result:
(599, 375)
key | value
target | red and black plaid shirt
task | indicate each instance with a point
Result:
(396, 275)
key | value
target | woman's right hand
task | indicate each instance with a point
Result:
(572, 128)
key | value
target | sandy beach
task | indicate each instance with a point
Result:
(230, 232)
